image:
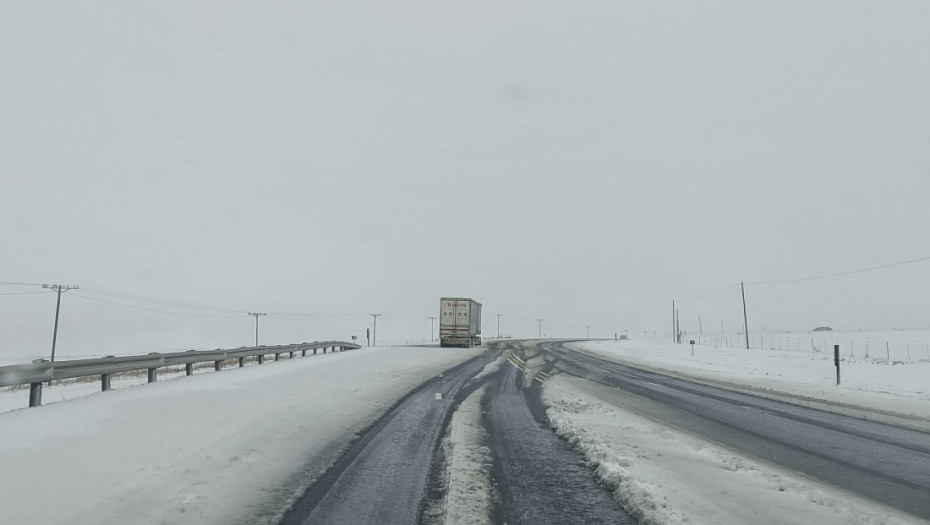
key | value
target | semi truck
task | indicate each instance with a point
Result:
(459, 322)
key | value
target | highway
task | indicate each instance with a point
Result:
(886, 463)
(540, 478)
(383, 477)
(395, 471)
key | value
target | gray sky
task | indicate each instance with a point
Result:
(584, 163)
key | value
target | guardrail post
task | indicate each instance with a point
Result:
(35, 389)
(292, 355)
(153, 375)
(261, 358)
(304, 353)
(35, 394)
(189, 369)
(105, 382)
(315, 349)
(241, 362)
(217, 365)
(277, 357)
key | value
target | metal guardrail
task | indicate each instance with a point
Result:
(40, 370)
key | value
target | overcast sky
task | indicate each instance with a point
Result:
(584, 163)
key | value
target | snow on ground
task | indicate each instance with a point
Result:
(884, 386)
(16, 397)
(468, 494)
(228, 447)
(468, 467)
(666, 476)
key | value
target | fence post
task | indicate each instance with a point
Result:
(836, 360)
(887, 350)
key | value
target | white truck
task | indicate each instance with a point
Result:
(459, 322)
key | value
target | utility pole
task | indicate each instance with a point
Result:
(498, 325)
(742, 288)
(540, 328)
(589, 330)
(431, 319)
(677, 328)
(374, 331)
(256, 316)
(700, 326)
(58, 288)
(674, 323)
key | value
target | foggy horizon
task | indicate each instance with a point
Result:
(185, 165)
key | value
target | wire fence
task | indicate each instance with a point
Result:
(888, 350)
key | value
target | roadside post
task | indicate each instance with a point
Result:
(368, 335)
(692, 347)
(836, 361)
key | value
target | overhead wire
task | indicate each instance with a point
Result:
(838, 274)
(156, 311)
(158, 301)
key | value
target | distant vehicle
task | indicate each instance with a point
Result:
(459, 322)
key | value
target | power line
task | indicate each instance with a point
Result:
(284, 315)
(154, 310)
(22, 284)
(838, 274)
(169, 303)
(26, 293)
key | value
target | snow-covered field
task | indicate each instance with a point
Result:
(894, 387)
(665, 476)
(894, 345)
(228, 447)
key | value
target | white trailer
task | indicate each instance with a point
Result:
(459, 322)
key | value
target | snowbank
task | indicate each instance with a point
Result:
(468, 496)
(664, 477)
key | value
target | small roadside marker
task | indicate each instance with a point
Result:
(438, 395)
